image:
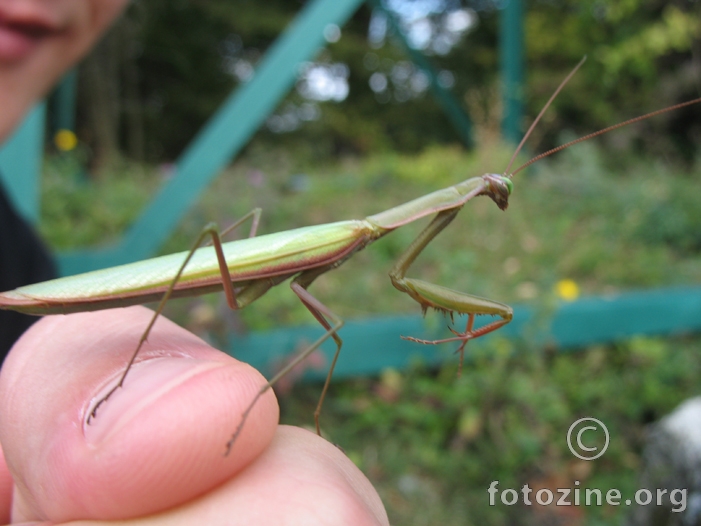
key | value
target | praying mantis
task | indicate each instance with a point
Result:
(246, 269)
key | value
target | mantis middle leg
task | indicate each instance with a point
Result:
(246, 296)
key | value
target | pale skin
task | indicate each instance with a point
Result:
(39, 41)
(155, 454)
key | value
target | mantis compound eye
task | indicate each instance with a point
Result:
(509, 184)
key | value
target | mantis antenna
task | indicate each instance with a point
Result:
(537, 119)
(605, 130)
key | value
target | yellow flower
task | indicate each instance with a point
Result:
(65, 140)
(567, 289)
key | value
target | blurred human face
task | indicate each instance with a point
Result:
(39, 41)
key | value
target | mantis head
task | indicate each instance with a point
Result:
(499, 188)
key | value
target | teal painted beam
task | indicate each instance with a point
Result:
(63, 101)
(455, 113)
(20, 164)
(610, 318)
(511, 47)
(372, 345)
(222, 137)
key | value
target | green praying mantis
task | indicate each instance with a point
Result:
(246, 269)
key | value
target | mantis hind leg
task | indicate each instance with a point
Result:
(253, 291)
(444, 299)
(321, 312)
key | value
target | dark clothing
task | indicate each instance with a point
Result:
(23, 260)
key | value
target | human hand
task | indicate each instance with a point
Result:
(155, 452)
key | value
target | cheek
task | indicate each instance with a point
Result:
(88, 22)
(89, 19)
(22, 86)
(103, 13)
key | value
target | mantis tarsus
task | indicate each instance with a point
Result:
(248, 268)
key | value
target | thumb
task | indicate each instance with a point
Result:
(155, 443)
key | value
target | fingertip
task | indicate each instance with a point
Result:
(301, 467)
(341, 472)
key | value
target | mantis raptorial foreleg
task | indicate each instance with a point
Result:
(246, 296)
(444, 299)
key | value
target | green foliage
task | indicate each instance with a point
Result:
(80, 212)
(432, 443)
(639, 52)
(182, 81)
(672, 218)
(673, 31)
(640, 58)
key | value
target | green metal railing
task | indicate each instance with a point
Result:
(64, 103)
(373, 344)
(20, 164)
(512, 52)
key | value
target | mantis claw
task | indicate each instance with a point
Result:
(233, 438)
(464, 337)
(468, 334)
(458, 334)
(93, 414)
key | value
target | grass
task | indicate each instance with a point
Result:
(430, 443)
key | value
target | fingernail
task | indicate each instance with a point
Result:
(145, 384)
